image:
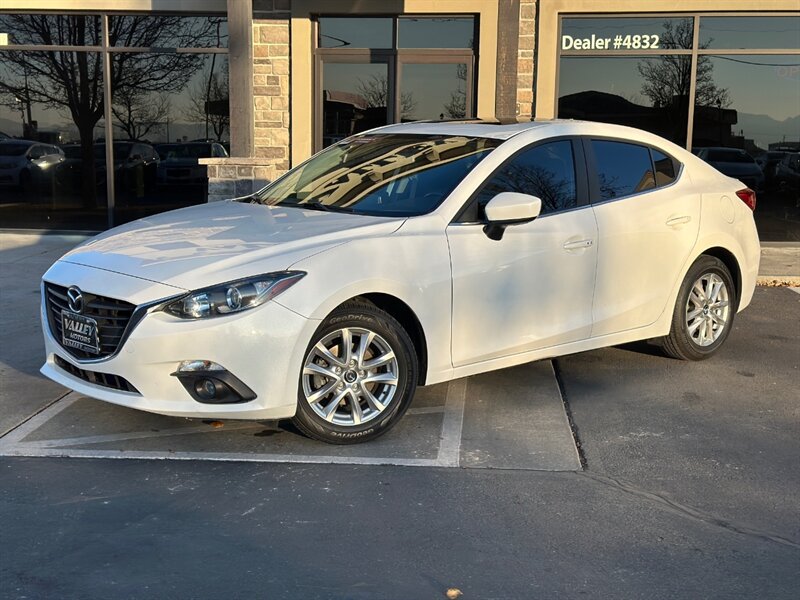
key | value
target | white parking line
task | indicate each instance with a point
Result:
(795, 289)
(14, 443)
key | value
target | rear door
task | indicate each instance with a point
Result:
(648, 221)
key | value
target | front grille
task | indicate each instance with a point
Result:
(112, 318)
(114, 382)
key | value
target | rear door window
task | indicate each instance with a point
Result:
(664, 168)
(623, 169)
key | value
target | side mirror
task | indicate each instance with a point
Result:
(509, 208)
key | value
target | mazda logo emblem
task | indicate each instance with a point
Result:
(75, 299)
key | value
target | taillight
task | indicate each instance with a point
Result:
(747, 196)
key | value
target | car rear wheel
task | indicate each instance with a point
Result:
(704, 311)
(358, 377)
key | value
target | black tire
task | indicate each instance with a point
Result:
(681, 343)
(356, 316)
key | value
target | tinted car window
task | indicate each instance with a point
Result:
(664, 166)
(622, 169)
(546, 171)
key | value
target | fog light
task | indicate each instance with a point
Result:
(191, 366)
(206, 389)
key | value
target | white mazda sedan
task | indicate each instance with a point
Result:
(407, 255)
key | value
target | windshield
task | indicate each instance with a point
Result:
(385, 175)
(13, 149)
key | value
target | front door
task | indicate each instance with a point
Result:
(533, 288)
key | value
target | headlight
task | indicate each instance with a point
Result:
(233, 297)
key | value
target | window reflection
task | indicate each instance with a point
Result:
(52, 30)
(750, 32)
(650, 93)
(49, 100)
(546, 171)
(672, 33)
(436, 32)
(168, 31)
(759, 116)
(361, 32)
(173, 112)
(355, 97)
(433, 91)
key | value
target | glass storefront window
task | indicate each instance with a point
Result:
(355, 98)
(648, 92)
(367, 78)
(169, 108)
(167, 31)
(750, 32)
(51, 105)
(51, 30)
(746, 113)
(445, 91)
(626, 33)
(436, 32)
(764, 128)
(169, 111)
(365, 32)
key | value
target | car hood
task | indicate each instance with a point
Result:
(213, 243)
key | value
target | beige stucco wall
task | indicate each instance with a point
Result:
(550, 10)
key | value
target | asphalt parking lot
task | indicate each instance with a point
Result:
(612, 473)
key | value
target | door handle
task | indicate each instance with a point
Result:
(578, 244)
(675, 221)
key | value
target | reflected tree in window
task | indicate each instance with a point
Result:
(456, 108)
(375, 91)
(138, 112)
(72, 82)
(668, 79)
(209, 102)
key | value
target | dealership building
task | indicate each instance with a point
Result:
(113, 110)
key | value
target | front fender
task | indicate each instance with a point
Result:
(413, 267)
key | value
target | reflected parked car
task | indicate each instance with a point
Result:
(768, 161)
(135, 167)
(735, 163)
(179, 162)
(27, 164)
(787, 173)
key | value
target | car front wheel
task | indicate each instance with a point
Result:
(358, 377)
(704, 311)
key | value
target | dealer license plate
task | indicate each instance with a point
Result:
(79, 332)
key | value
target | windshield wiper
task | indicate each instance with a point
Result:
(311, 205)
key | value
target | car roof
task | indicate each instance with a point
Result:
(23, 142)
(486, 129)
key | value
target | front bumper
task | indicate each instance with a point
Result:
(263, 348)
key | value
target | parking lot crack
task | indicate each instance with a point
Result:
(688, 511)
(573, 427)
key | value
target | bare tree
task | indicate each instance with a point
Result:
(209, 103)
(138, 113)
(456, 107)
(72, 82)
(375, 91)
(668, 78)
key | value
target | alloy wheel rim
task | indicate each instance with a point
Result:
(350, 376)
(707, 309)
